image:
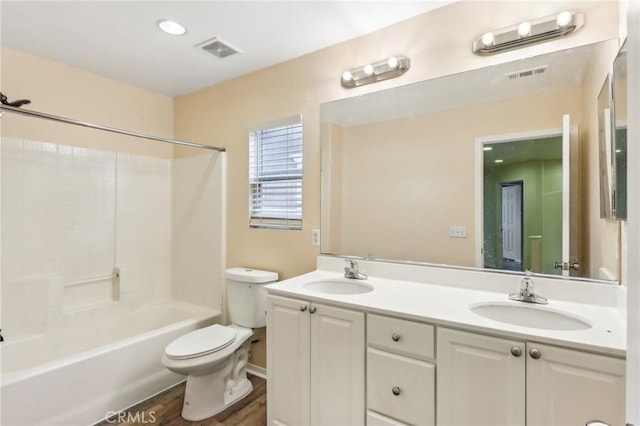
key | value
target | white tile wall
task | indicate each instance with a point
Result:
(70, 213)
(198, 229)
(144, 228)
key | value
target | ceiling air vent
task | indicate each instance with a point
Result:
(527, 73)
(218, 48)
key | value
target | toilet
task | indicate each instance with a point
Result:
(214, 358)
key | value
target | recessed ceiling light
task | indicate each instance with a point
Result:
(171, 27)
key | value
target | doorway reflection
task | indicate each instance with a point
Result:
(522, 202)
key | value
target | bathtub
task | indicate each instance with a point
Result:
(79, 374)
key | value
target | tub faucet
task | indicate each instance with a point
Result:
(526, 293)
(351, 270)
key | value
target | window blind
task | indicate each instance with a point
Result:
(275, 176)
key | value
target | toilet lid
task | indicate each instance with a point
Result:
(201, 342)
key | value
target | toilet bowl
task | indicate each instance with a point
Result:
(214, 358)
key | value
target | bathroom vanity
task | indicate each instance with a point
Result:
(418, 345)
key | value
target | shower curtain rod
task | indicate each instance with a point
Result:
(36, 114)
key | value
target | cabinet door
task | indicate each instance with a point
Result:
(337, 366)
(479, 380)
(288, 361)
(568, 387)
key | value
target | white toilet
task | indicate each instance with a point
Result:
(214, 358)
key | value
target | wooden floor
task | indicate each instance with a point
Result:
(164, 409)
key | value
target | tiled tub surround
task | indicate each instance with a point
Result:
(68, 214)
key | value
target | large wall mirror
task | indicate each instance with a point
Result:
(479, 169)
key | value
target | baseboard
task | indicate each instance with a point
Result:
(257, 371)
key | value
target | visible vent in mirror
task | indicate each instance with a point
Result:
(527, 73)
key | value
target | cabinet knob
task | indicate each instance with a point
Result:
(303, 308)
(395, 390)
(535, 353)
(597, 423)
(395, 337)
(516, 351)
(312, 309)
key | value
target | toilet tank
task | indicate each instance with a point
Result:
(247, 297)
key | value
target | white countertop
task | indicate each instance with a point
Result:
(448, 305)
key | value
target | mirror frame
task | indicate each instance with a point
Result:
(605, 147)
(619, 172)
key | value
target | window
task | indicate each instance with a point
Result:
(275, 175)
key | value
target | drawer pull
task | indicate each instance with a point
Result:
(395, 337)
(396, 390)
(516, 351)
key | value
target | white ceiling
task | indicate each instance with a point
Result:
(120, 39)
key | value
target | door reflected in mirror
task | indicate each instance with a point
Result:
(522, 205)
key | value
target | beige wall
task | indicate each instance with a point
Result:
(222, 114)
(414, 178)
(58, 89)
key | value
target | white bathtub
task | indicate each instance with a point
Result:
(78, 374)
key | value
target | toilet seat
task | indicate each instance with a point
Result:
(201, 342)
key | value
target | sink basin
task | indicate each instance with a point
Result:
(532, 316)
(345, 286)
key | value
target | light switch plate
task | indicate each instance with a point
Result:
(457, 231)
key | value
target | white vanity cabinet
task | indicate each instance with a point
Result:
(493, 381)
(400, 372)
(569, 387)
(315, 363)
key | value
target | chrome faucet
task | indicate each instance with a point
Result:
(526, 293)
(351, 270)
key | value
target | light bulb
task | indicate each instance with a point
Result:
(368, 69)
(171, 27)
(488, 39)
(392, 62)
(487, 148)
(563, 18)
(498, 161)
(346, 76)
(524, 29)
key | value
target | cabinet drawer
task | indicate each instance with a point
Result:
(400, 336)
(401, 388)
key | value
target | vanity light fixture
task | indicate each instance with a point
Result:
(376, 71)
(527, 33)
(171, 27)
